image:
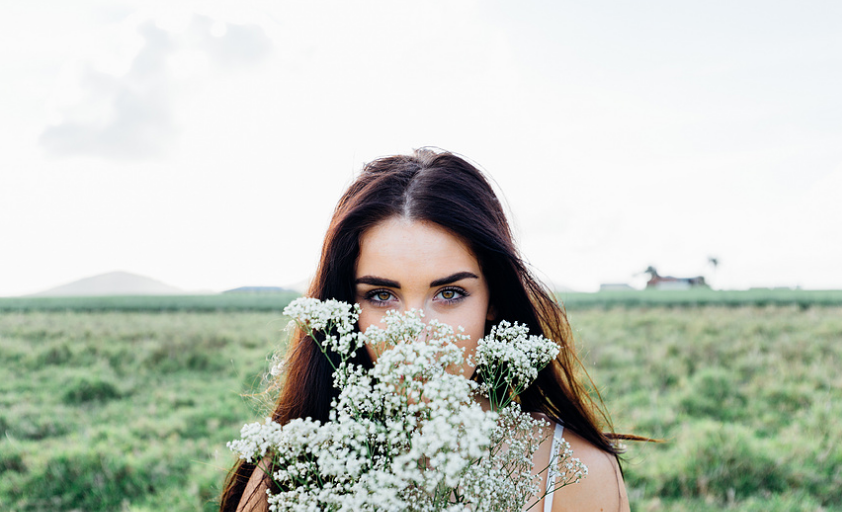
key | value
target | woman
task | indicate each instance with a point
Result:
(426, 231)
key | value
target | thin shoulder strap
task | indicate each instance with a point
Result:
(551, 472)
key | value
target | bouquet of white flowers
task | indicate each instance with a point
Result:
(407, 434)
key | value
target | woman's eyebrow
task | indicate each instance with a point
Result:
(378, 281)
(452, 279)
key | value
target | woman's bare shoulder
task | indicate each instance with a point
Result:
(602, 489)
(254, 497)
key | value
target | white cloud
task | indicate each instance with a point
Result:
(124, 105)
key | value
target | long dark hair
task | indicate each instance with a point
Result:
(445, 189)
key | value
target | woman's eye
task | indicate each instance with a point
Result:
(380, 296)
(450, 295)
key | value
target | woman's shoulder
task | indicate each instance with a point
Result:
(602, 489)
(254, 497)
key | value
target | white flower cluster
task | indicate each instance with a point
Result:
(510, 358)
(564, 467)
(406, 434)
(316, 316)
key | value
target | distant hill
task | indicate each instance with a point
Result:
(301, 286)
(257, 289)
(556, 287)
(112, 283)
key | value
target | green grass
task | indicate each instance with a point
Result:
(573, 301)
(748, 401)
(130, 411)
(124, 411)
(219, 302)
(702, 297)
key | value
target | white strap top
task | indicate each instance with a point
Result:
(551, 471)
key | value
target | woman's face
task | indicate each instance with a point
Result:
(405, 264)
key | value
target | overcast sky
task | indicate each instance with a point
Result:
(205, 144)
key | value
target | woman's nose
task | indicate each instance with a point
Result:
(418, 305)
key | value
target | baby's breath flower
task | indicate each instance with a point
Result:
(406, 434)
(313, 315)
(509, 357)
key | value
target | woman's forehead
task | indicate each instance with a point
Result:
(402, 246)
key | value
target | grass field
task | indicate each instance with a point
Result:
(748, 400)
(124, 411)
(573, 300)
(160, 303)
(130, 410)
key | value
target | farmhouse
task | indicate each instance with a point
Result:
(615, 287)
(660, 282)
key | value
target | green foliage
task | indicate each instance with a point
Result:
(90, 389)
(711, 393)
(695, 297)
(125, 411)
(275, 301)
(722, 458)
(747, 401)
(11, 461)
(130, 411)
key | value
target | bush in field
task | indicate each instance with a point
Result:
(11, 461)
(100, 477)
(713, 393)
(90, 389)
(725, 461)
(25, 421)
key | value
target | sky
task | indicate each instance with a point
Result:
(205, 144)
